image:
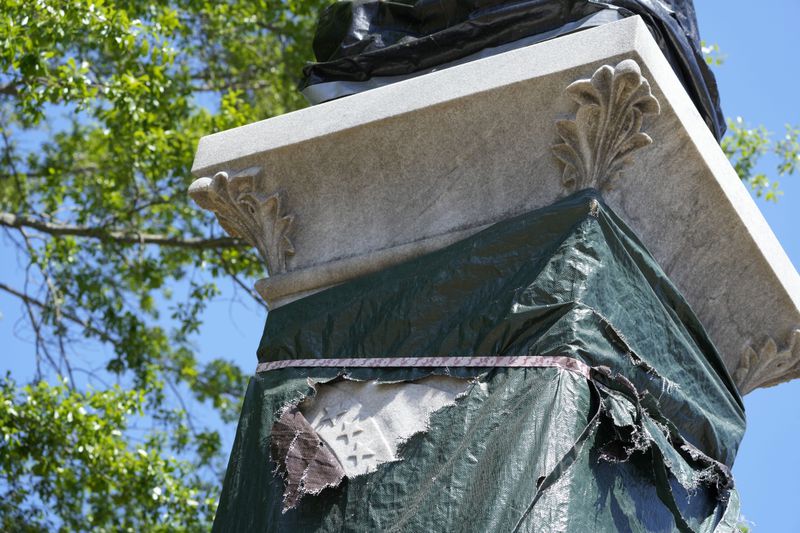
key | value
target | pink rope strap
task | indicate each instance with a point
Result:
(490, 361)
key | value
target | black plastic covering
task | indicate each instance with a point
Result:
(357, 40)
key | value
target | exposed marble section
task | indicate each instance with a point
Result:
(364, 422)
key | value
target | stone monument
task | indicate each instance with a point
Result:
(523, 292)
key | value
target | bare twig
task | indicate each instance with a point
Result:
(40, 346)
(105, 336)
(244, 286)
(8, 155)
(54, 298)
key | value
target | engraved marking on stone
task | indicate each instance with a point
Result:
(248, 213)
(361, 452)
(769, 365)
(332, 415)
(606, 130)
(349, 431)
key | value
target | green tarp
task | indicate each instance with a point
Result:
(645, 443)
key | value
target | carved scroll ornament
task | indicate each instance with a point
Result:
(606, 130)
(769, 365)
(247, 213)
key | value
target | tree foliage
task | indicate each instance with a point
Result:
(746, 146)
(71, 454)
(102, 103)
(101, 106)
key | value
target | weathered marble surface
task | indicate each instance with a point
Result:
(391, 173)
(364, 422)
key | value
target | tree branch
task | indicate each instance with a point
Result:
(10, 88)
(124, 237)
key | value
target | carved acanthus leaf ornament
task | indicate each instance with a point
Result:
(606, 130)
(769, 365)
(246, 212)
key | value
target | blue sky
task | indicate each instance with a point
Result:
(759, 81)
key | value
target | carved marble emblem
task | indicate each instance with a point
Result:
(606, 130)
(357, 441)
(248, 213)
(769, 365)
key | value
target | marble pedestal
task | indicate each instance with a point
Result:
(349, 187)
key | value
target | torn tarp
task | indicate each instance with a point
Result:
(362, 44)
(304, 460)
(638, 434)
